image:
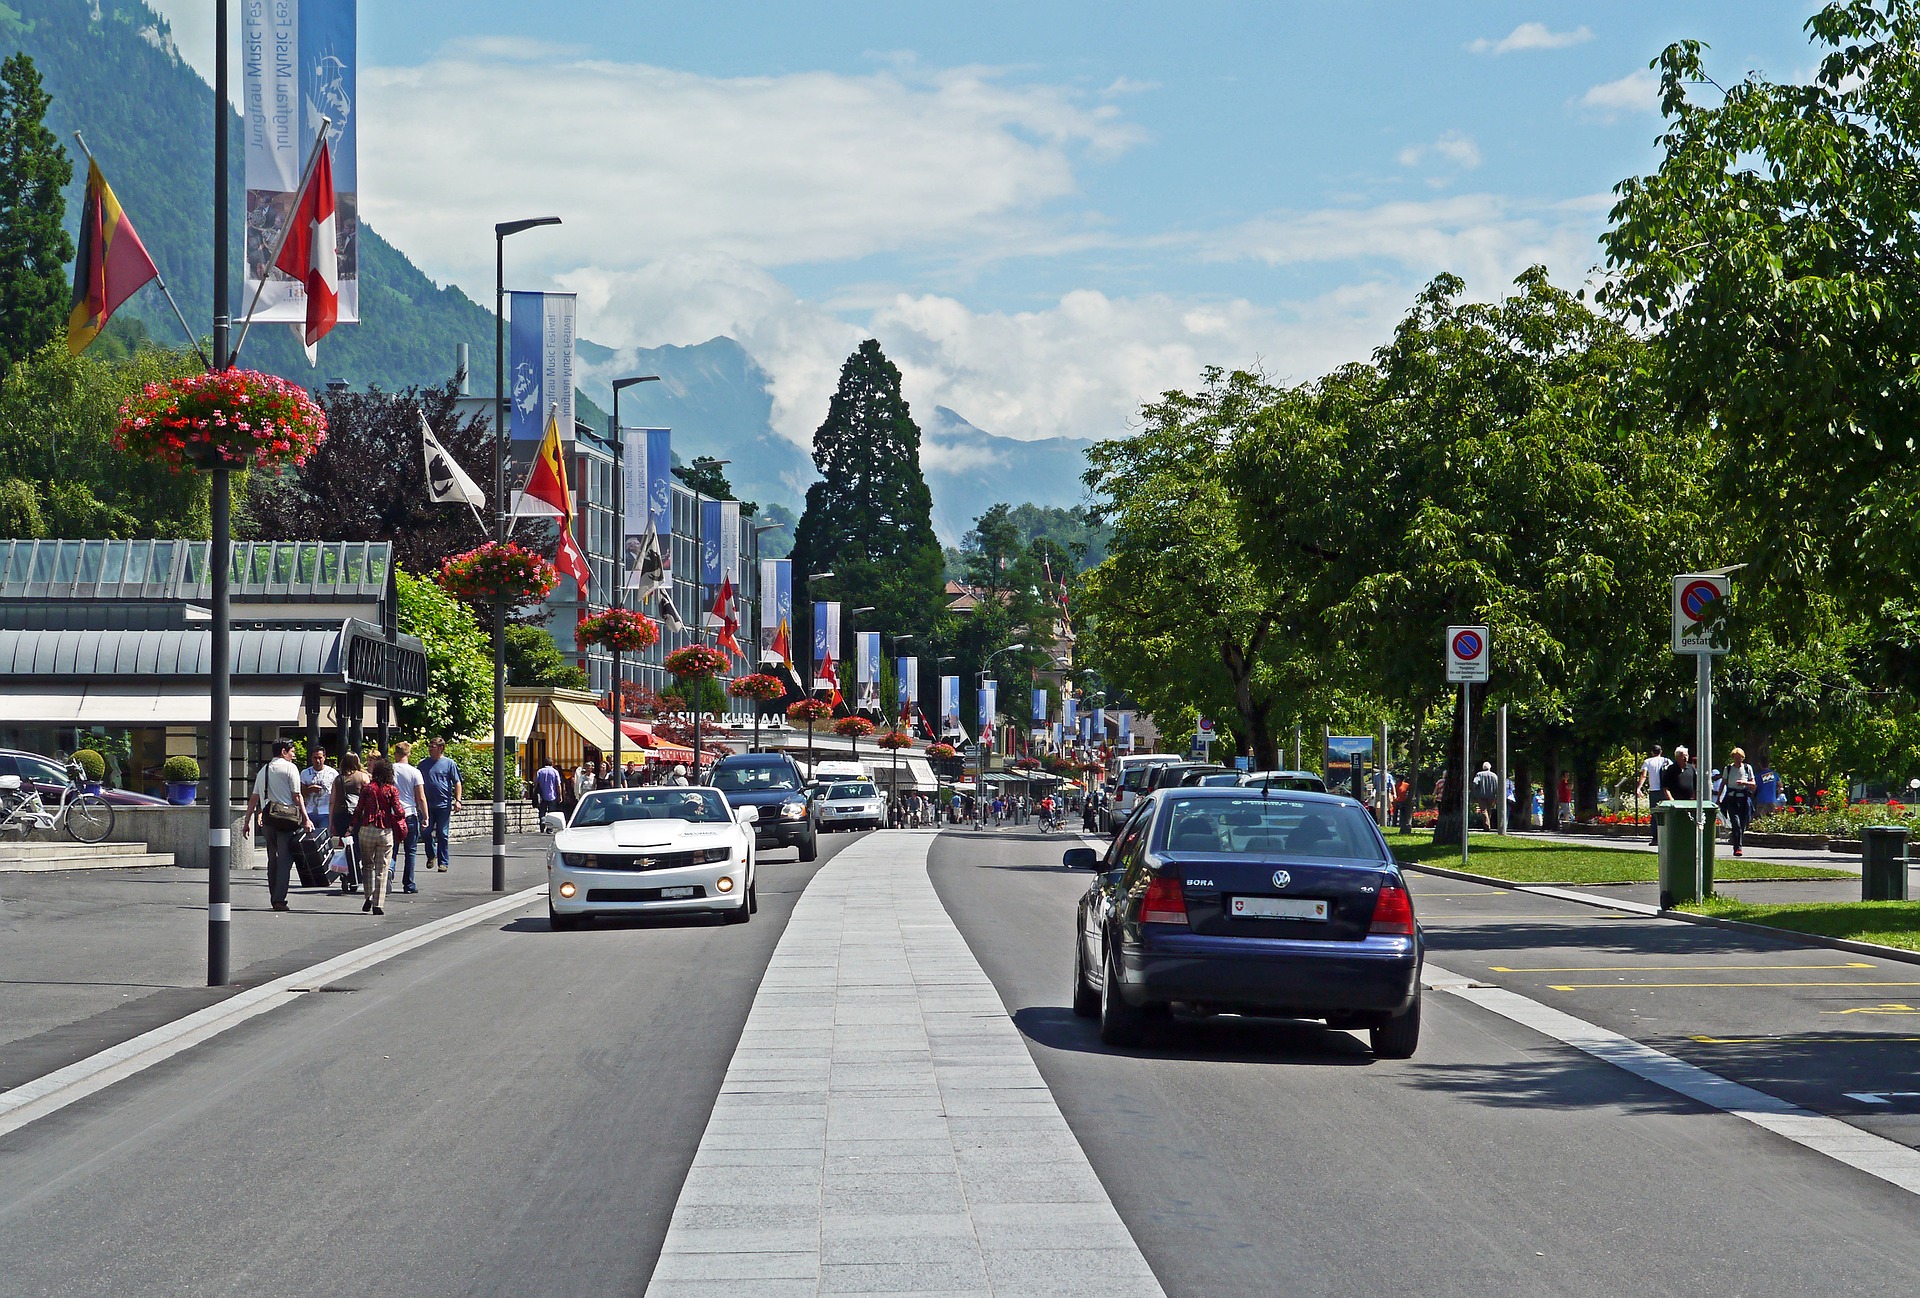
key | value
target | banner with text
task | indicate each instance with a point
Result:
(826, 633)
(908, 672)
(776, 608)
(1039, 705)
(540, 366)
(949, 704)
(712, 544)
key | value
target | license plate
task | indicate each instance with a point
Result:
(1277, 908)
(669, 894)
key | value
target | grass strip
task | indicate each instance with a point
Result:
(1890, 923)
(1519, 860)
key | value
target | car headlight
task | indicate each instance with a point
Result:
(579, 860)
(710, 855)
(792, 810)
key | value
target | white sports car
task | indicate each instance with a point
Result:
(663, 850)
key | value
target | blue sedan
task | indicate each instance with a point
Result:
(1248, 901)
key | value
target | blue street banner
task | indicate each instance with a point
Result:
(908, 673)
(776, 607)
(1039, 705)
(1099, 725)
(659, 493)
(711, 525)
(1125, 721)
(299, 62)
(949, 704)
(826, 633)
(540, 367)
(989, 705)
(867, 665)
(640, 449)
(1070, 716)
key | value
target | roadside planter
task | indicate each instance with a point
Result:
(222, 419)
(182, 775)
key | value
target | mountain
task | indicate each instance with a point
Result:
(969, 469)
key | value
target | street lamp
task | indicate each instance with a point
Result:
(985, 731)
(620, 552)
(501, 434)
(699, 598)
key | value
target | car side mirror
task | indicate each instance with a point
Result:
(1080, 858)
(553, 822)
(747, 815)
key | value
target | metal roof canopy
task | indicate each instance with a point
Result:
(263, 571)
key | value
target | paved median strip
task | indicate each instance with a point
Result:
(882, 1128)
(54, 1091)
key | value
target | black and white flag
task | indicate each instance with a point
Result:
(648, 574)
(446, 480)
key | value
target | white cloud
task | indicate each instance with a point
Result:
(1637, 92)
(1531, 36)
(1456, 147)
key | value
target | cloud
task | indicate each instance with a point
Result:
(1531, 36)
(1637, 92)
(1456, 147)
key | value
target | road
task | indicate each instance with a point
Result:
(514, 1111)
(507, 1111)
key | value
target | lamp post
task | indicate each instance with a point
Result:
(985, 725)
(502, 434)
(620, 561)
(220, 716)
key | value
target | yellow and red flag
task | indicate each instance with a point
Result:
(112, 263)
(548, 495)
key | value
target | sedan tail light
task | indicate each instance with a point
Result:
(1165, 903)
(1392, 912)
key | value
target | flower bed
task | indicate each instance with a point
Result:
(619, 629)
(222, 419)
(497, 573)
(1838, 822)
(695, 661)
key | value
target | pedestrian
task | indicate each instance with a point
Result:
(546, 787)
(378, 822)
(630, 778)
(347, 791)
(582, 780)
(1653, 783)
(1738, 799)
(1486, 790)
(679, 776)
(316, 785)
(1403, 806)
(440, 783)
(413, 799)
(1681, 776)
(281, 812)
(1566, 798)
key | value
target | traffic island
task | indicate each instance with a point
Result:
(1519, 860)
(1877, 923)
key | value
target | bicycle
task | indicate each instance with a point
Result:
(87, 817)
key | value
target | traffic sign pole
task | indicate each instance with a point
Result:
(1466, 767)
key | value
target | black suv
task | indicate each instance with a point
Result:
(771, 783)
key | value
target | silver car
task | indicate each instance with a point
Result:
(852, 804)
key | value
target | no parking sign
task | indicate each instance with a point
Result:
(1700, 612)
(1469, 655)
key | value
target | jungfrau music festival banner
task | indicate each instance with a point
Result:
(908, 673)
(826, 636)
(1070, 717)
(730, 542)
(869, 662)
(949, 705)
(646, 458)
(298, 63)
(711, 544)
(1039, 705)
(540, 367)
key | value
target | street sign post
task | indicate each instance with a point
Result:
(1700, 629)
(1469, 663)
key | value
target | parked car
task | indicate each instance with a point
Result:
(771, 783)
(1291, 781)
(663, 848)
(50, 777)
(1257, 902)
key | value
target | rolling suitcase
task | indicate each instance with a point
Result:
(310, 858)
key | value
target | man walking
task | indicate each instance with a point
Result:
(411, 788)
(276, 803)
(1653, 783)
(441, 778)
(546, 787)
(1486, 790)
(316, 784)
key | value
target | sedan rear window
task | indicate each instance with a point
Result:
(1267, 826)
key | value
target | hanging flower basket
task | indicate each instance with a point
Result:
(940, 752)
(696, 662)
(853, 727)
(498, 574)
(894, 740)
(222, 419)
(760, 687)
(619, 629)
(1026, 763)
(807, 711)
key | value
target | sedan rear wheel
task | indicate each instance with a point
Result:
(1399, 1036)
(1086, 999)
(1121, 1024)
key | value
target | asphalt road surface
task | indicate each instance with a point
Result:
(1261, 1158)
(506, 1111)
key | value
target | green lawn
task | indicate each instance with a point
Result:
(1520, 859)
(1890, 923)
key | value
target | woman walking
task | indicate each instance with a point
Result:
(1737, 802)
(347, 791)
(378, 822)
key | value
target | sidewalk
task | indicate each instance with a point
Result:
(882, 1128)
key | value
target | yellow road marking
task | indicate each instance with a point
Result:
(1567, 987)
(1796, 1041)
(1891, 1007)
(1680, 968)
(1570, 919)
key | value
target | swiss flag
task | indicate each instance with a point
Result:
(311, 252)
(726, 620)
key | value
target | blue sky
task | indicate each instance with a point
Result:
(1048, 212)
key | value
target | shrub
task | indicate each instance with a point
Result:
(476, 773)
(92, 763)
(180, 769)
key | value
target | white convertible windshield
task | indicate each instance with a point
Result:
(605, 806)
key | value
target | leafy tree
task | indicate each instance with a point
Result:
(34, 245)
(534, 659)
(20, 514)
(869, 519)
(708, 476)
(459, 661)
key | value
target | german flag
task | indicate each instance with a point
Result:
(112, 264)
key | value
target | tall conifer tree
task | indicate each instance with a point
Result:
(870, 518)
(34, 245)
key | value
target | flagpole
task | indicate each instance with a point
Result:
(553, 413)
(158, 278)
(313, 159)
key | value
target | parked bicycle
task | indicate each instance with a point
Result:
(87, 817)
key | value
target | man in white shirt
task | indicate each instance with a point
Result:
(316, 782)
(1653, 784)
(276, 796)
(412, 788)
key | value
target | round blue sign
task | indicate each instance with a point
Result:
(1697, 597)
(1467, 645)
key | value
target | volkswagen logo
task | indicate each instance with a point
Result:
(1281, 878)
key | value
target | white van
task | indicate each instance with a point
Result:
(1128, 777)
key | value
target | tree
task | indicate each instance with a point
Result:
(869, 520)
(534, 659)
(34, 245)
(708, 476)
(459, 701)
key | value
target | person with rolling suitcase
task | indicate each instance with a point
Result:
(347, 791)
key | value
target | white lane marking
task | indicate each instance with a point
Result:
(1843, 1142)
(51, 1092)
(1881, 1097)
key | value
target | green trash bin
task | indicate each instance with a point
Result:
(1883, 863)
(1679, 844)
